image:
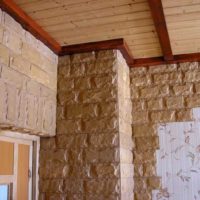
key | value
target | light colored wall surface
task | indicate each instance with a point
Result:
(28, 81)
(160, 94)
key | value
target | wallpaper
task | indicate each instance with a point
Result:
(178, 160)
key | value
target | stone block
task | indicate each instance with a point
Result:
(106, 81)
(22, 112)
(127, 171)
(104, 140)
(39, 75)
(105, 187)
(186, 89)
(192, 101)
(107, 109)
(143, 80)
(30, 53)
(140, 184)
(4, 55)
(20, 64)
(84, 111)
(82, 83)
(68, 126)
(66, 84)
(103, 67)
(12, 25)
(50, 118)
(105, 170)
(146, 143)
(168, 78)
(1, 33)
(163, 116)
(32, 109)
(12, 103)
(83, 57)
(72, 141)
(33, 87)
(154, 182)
(192, 76)
(126, 156)
(3, 101)
(112, 155)
(155, 104)
(99, 95)
(13, 77)
(12, 41)
(67, 98)
(155, 91)
(175, 102)
(140, 117)
(183, 115)
(73, 186)
(138, 71)
(101, 125)
(77, 69)
(138, 105)
(186, 66)
(143, 157)
(144, 130)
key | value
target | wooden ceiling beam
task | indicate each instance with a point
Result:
(119, 44)
(144, 62)
(29, 24)
(157, 13)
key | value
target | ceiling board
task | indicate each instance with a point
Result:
(183, 22)
(82, 21)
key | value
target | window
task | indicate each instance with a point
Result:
(18, 166)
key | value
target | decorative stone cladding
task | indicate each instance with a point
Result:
(159, 94)
(28, 80)
(91, 156)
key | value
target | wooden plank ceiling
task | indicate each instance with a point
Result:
(183, 22)
(156, 31)
(81, 21)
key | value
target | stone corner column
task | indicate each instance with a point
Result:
(90, 157)
(125, 130)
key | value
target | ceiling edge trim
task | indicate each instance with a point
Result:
(29, 24)
(181, 58)
(119, 44)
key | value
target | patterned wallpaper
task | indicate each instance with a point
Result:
(178, 160)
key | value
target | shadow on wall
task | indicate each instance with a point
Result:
(178, 160)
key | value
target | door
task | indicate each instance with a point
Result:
(15, 168)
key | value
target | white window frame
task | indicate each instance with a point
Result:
(34, 143)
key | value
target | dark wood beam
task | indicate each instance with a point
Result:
(119, 44)
(192, 57)
(29, 24)
(161, 28)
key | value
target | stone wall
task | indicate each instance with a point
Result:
(89, 159)
(28, 80)
(160, 94)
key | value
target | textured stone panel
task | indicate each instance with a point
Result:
(28, 79)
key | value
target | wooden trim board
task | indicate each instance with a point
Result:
(192, 57)
(119, 44)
